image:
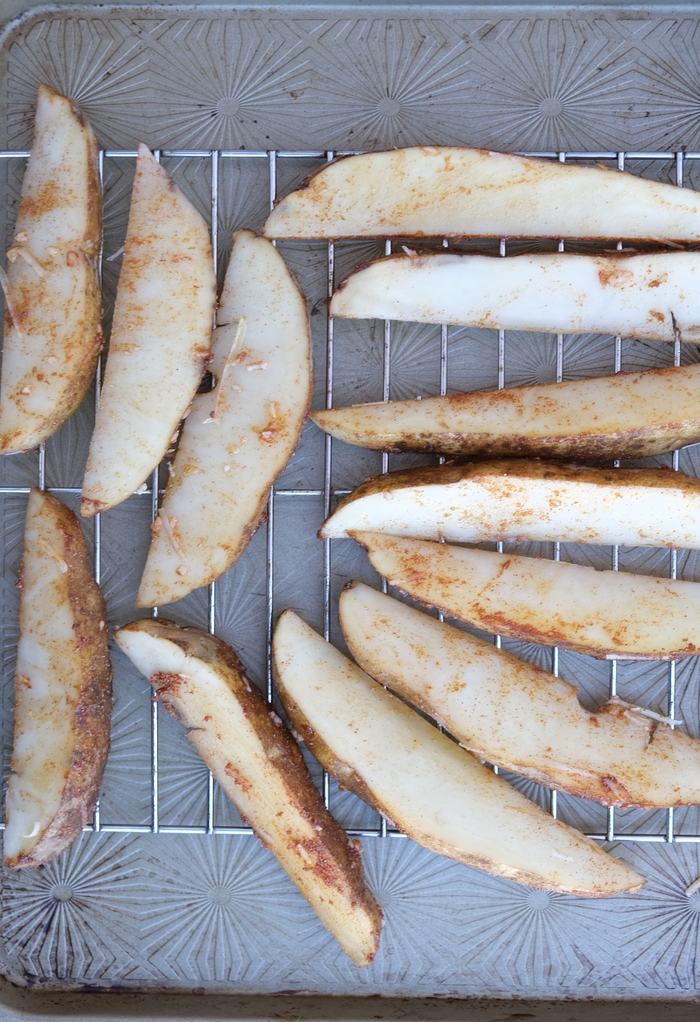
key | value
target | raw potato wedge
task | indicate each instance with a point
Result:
(435, 792)
(201, 682)
(518, 716)
(453, 192)
(526, 500)
(603, 613)
(237, 438)
(63, 693)
(161, 335)
(628, 415)
(654, 297)
(53, 309)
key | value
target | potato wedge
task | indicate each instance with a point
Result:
(201, 682)
(443, 191)
(602, 613)
(160, 341)
(518, 716)
(628, 415)
(653, 297)
(435, 792)
(526, 500)
(237, 438)
(53, 309)
(63, 694)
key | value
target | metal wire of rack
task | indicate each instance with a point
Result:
(271, 158)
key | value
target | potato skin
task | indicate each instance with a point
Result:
(432, 192)
(82, 354)
(430, 572)
(444, 475)
(349, 780)
(618, 756)
(338, 862)
(407, 822)
(94, 709)
(640, 442)
(275, 738)
(80, 346)
(645, 442)
(218, 490)
(160, 340)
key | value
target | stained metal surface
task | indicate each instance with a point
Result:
(168, 888)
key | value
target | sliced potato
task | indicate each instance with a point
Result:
(526, 500)
(63, 695)
(238, 437)
(444, 191)
(160, 340)
(201, 682)
(53, 310)
(628, 415)
(603, 613)
(654, 297)
(438, 794)
(518, 716)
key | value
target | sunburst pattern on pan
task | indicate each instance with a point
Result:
(215, 912)
(74, 918)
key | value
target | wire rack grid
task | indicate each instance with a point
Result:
(269, 163)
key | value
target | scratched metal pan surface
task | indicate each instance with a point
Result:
(167, 890)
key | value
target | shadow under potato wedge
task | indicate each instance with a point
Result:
(518, 716)
(435, 792)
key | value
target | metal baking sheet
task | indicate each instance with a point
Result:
(167, 891)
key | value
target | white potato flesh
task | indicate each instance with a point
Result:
(160, 341)
(655, 297)
(603, 613)
(237, 438)
(62, 689)
(438, 794)
(259, 766)
(628, 415)
(452, 192)
(517, 716)
(53, 309)
(526, 500)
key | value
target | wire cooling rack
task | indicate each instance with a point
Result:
(269, 162)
